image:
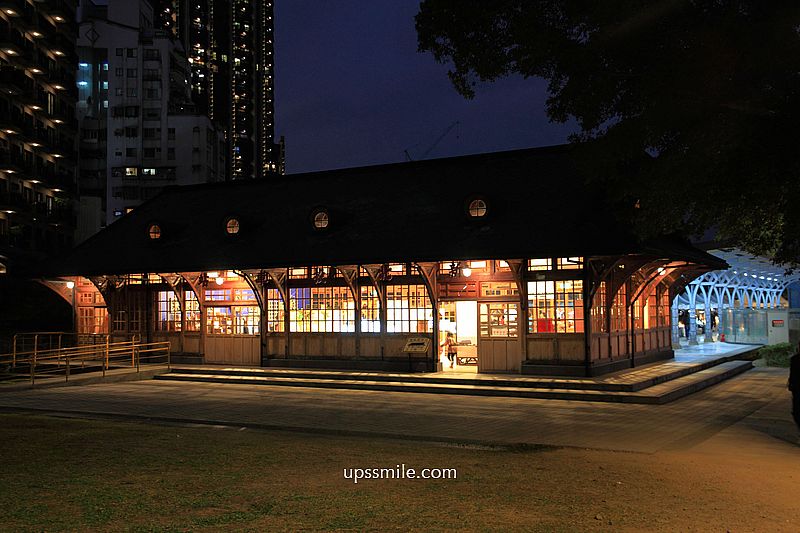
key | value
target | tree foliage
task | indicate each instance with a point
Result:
(708, 88)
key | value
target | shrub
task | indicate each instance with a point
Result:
(777, 354)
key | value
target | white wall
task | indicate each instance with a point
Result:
(776, 333)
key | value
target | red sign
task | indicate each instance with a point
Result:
(777, 323)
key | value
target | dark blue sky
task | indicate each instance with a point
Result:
(352, 90)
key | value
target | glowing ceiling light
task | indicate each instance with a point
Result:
(10, 52)
(466, 272)
(219, 281)
(70, 284)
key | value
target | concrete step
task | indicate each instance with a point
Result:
(656, 394)
(627, 381)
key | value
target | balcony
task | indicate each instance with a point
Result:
(14, 81)
(15, 203)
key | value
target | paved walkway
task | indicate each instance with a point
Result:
(756, 402)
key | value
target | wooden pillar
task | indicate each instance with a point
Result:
(350, 275)
(518, 268)
(280, 277)
(196, 284)
(375, 273)
(430, 272)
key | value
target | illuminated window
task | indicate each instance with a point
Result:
(408, 309)
(192, 312)
(219, 321)
(502, 288)
(92, 320)
(499, 320)
(217, 295)
(246, 320)
(370, 310)
(477, 208)
(540, 264)
(321, 220)
(275, 312)
(168, 312)
(555, 306)
(478, 267)
(599, 310)
(655, 312)
(85, 298)
(232, 226)
(618, 315)
(298, 273)
(569, 263)
(502, 266)
(321, 310)
(154, 232)
(244, 295)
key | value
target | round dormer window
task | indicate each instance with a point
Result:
(154, 232)
(232, 226)
(321, 219)
(477, 208)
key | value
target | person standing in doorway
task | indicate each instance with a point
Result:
(449, 348)
(794, 385)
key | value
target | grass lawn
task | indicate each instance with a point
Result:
(74, 474)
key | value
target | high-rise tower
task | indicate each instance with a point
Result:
(230, 48)
(37, 131)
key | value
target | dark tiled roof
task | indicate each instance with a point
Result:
(538, 206)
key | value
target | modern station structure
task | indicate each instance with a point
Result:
(752, 302)
(526, 263)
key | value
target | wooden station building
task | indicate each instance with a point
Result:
(514, 253)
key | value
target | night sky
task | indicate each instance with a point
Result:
(352, 90)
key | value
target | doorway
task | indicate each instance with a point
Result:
(460, 319)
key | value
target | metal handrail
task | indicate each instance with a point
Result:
(122, 354)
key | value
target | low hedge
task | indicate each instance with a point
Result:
(777, 354)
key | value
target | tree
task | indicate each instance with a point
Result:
(710, 89)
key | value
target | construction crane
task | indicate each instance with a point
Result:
(434, 145)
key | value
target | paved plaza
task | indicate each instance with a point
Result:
(753, 406)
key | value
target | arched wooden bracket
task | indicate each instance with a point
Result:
(257, 288)
(280, 277)
(175, 281)
(429, 272)
(350, 275)
(517, 267)
(375, 272)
